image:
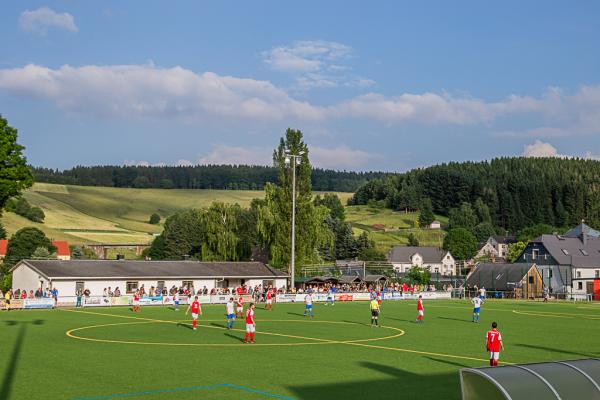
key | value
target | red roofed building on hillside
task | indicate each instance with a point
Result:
(63, 252)
(3, 248)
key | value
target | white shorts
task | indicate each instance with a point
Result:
(250, 328)
(421, 313)
(269, 301)
(136, 302)
(194, 316)
(240, 309)
(495, 355)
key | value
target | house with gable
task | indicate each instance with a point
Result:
(568, 263)
(403, 258)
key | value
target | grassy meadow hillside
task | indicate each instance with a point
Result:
(90, 214)
(389, 228)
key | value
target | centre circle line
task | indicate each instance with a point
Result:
(71, 334)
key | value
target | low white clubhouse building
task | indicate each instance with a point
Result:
(95, 275)
(403, 258)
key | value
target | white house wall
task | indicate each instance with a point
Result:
(28, 279)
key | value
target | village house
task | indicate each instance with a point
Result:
(403, 258)
(568, 263)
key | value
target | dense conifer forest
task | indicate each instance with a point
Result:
(519, 192)
(235, 177)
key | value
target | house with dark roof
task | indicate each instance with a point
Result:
(403, 258)
(521, 280)
(95, 275)
(568, 264)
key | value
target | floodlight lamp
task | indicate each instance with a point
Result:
(298, 161)
(287, 160)
(301, 153)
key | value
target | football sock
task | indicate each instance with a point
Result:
(252, 336)
(247, 334)
(195, 323)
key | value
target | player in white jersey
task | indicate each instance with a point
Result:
(477, 302)
(176, 300)
(330, 297)
(308, 303)
(230, 313)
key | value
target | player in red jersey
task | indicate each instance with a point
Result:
(269, 303)
(136, 302)
(493, 344)
(250, 324)
(378, 296)
(420, 309)
(196, 308)
(240, 307)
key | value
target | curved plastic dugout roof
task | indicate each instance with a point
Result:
(563, 380)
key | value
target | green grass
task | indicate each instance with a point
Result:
(88, 214)
(38, 360)
(397, 226)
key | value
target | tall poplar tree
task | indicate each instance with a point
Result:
(274, 217)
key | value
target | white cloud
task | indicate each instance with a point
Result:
(341, 157)
(315, 63)
(142, 163)
(590, 156)
(40, 20)
(184, 163)
(237, 155)
(541, 149)
(151, 92)
(148, 91)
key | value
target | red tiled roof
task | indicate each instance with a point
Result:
(62, 247)
(3, 247)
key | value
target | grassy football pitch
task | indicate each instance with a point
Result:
(111, 353)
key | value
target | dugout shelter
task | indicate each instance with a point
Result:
(558, 380)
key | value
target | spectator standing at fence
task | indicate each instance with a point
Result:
(78, 295)
(493, 342)
(23, 294)
(482, 293)
(420, 309)
(54, 293)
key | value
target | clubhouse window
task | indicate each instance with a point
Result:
(131, 287)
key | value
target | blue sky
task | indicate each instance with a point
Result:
(380, 85)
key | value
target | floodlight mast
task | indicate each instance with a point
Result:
(293, 160)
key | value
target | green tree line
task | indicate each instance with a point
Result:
(506, 193)
(231, 177)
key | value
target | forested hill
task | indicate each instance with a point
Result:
(241, 177)
(519, 191)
